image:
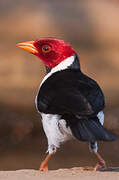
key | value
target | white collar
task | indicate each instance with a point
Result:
(61, 66)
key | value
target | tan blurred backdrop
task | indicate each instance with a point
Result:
(92, 28)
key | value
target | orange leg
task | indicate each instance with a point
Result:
(43, 166)
(101, 162)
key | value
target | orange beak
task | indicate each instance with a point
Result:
(28, 46)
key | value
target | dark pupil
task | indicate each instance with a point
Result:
(46, 48)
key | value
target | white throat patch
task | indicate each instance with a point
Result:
(62, 66)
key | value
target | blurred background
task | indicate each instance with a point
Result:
(92, 28)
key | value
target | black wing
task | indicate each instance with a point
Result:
(70, 92)
(78, 99)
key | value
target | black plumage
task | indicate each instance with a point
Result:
(78, 99)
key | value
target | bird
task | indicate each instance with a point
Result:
(71, 104)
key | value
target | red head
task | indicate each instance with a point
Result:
(51, 51)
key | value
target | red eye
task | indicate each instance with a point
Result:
(46, 49)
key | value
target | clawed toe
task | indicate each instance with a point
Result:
(43, 168)
(101, 164)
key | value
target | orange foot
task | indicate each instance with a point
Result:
(43, 167)
(101, 164)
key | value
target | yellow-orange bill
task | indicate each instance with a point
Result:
(28, 46)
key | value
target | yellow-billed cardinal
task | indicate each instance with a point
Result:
(71, 104)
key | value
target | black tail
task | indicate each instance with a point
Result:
(90, 130)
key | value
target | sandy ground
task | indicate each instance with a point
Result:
(64, 174)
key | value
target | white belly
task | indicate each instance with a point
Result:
(55, 130)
